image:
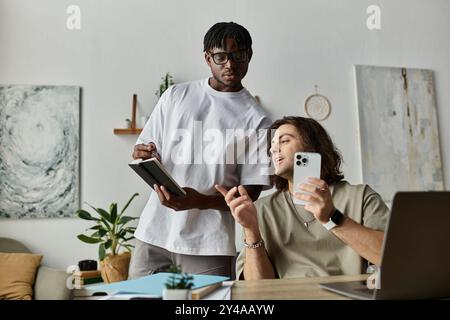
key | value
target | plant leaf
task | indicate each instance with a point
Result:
(87, 239)
(95, 235)
(128, 247)
(130, 229)
(113, 212)
(83, 214)
(128, 203)
(105, 215)
(126, 219)
(106, 224)
(121, 234)
(108, 243)
(95, 227)
(101, 252)
(102, 233)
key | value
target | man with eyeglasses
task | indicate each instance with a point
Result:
(197, 231)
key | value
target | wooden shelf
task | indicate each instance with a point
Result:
(128, 131)
(133, 129)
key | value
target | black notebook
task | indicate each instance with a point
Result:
(153, 172)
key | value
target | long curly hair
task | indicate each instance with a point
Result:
(315, 139)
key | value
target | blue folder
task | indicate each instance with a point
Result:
(149, 285)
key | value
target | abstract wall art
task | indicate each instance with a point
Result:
(39, 151)
(400, 149)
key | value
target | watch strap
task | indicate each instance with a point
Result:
(329, 225)
(335, 220)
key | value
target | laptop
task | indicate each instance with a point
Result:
(416, 251)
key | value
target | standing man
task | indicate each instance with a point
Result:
(197, 231)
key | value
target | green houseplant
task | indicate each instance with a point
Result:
(167, 81)
(178, 285)
(112, 234)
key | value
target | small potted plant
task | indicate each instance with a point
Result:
(112, 234)
(178, 285)
(167, 81)
(127, 123)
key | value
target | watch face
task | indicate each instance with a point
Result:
(337, 217)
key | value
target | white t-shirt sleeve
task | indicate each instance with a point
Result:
(154, 128)
(257, 173)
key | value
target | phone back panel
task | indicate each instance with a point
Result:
(306, 164)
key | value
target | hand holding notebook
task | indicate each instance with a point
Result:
(153, 172)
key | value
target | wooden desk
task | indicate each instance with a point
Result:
(289, 289)
(275, 289)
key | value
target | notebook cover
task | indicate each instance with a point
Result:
(151, 285)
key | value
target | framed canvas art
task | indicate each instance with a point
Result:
(39, 151)
(398, 126)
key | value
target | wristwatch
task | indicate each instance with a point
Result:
(335, 220)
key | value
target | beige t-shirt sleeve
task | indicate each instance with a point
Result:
(375, 211)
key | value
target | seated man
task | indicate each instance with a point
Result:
(283, 240)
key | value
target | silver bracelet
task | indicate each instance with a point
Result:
(255, 245)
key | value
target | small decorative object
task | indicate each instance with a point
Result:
(167, 81)
(112, 233)
(178, 285)
(317, 106)
(86, 265)
(130, 125)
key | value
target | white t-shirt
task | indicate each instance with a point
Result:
(192, 126)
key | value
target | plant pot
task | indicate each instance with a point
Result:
(176, 294)
(115, 268)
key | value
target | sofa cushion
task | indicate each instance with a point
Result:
(18, 273)
(51, 284)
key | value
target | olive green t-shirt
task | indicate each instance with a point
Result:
(297, 250)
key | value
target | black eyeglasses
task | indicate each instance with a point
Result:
(220, 58)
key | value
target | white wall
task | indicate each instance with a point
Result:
(124, 47)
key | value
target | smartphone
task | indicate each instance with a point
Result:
(306, 164)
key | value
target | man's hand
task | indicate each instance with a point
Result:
(145, 151)
(320, 203)
(241, 206)
(192, 199)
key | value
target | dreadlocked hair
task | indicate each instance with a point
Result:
(218, 33)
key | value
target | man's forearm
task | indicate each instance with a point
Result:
(257, 264)
(215, 201)
(365, 241)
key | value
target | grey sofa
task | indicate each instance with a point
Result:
(50, 284)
